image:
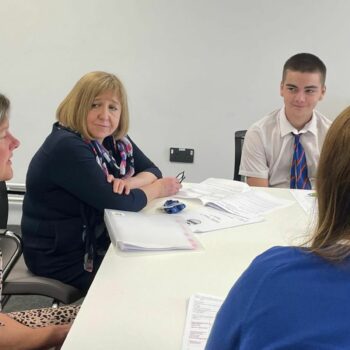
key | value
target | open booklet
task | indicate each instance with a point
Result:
(140, 231)
(212, 189)
(201, 313)
(234, 197)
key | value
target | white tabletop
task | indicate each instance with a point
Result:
(139, 300)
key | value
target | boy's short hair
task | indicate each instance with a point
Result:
(305, 62)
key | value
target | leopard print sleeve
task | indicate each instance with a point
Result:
(47, 316)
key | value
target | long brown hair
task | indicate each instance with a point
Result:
(331, 238)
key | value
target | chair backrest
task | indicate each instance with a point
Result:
(11, 250)
(239, 139)
(4, 206)
(10, 243)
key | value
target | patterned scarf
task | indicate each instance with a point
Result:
(108, 164)
(106, 159)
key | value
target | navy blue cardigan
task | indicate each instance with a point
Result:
(66, 189)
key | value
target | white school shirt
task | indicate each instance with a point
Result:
(268, 147)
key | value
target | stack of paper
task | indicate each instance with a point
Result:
(140, 231)
(201, 313)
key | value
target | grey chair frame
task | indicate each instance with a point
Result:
(10, 250)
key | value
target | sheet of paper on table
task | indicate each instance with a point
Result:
(212, 189)
(201, 312)
(205, 219)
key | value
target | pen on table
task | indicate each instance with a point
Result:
(181, 176)
(313, 194)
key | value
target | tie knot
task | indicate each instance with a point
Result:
(296, 137)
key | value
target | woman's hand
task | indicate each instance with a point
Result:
(164, 187)
(168, 186)
(120, 186)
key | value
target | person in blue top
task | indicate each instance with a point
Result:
(87, 163)
(298, 297)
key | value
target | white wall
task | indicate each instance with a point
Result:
(195, 70)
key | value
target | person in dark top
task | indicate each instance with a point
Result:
(29, 329)
(298, 297)
(87, 163)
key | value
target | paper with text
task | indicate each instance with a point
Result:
(204, 219)
(234, 197)
(201, 313)
(250, 204)
(212, 189)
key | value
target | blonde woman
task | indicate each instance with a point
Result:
(88, 163)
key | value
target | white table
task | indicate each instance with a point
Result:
(139, 300)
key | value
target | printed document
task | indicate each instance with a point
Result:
(234, 197)
(250, 204)
(201, 312)
(141, 231)
(212, 189)
(204, 219)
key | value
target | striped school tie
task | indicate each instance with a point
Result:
(298, 172)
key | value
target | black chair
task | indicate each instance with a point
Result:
(239, 139)
(10, 251)
(19, 280)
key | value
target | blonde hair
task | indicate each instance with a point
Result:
(73, 110)
(331, 238)
(4, 108)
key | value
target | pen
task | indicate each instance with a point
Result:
(313, 194)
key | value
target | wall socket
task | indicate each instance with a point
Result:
(181, 155)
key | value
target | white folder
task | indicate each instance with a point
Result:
(141, 231)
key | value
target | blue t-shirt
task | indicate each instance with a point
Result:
(288, 298)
